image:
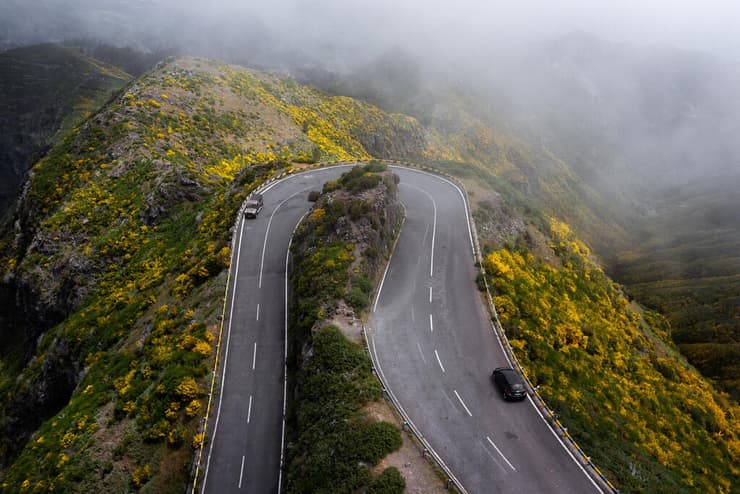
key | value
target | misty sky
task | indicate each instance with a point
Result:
(327, 28)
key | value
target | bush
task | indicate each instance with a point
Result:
(314, 195)
(389, 482)
(375, 166)
(357, 299)
(376, 440)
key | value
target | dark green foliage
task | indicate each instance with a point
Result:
(333, 441)
(389, 482)
(375, 166)
(360, 178)
(333, 437)
(357, 299)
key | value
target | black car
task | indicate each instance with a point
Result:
(510, 384)
(253, 206)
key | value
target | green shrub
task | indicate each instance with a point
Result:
(376, 440)
(375, 166)
(389, 482)
(357, 299)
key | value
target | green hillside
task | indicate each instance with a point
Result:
(114, 274)
(45, 90)
(686, 264)
(611, 374)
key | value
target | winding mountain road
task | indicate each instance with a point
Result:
(429, 336)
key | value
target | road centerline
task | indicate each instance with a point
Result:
(439, 361)
(462, 402)
(249, 409)
(254, 356)
(431, 324)
(267, 232)
(500, 453)
(241, 473)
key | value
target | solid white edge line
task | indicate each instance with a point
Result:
(462, 195)
(226, 356)
(241, 473)
(267, 232)
(390, 258)
(439, 361)
(285, 359)
(249, 409)
(498, 338)
(406, 416)
(264, 188)
(563, 445)
(254, 356)
(500, 453)
(431, 324)
(462, 402)
(434, 223)
(434, 234)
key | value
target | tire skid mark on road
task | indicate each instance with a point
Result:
(421, 352)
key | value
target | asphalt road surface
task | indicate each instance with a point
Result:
(430, 335)
(245, 449)
(432, 339)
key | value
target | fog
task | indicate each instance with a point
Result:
(338, 31)
(655, 82)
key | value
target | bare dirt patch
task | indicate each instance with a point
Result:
(344, 319)
(419, 474)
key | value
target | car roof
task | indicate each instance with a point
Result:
(509, 373)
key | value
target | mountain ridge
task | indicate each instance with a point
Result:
(125, 228)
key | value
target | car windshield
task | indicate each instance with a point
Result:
(516, 386)
(252, 204)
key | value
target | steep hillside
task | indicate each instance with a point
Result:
(338, 257)
(611, 374)
(113, 277)
(114, 272)
(633, 146)
(45, 90)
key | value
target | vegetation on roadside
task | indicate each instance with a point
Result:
(124, 243)
(648, 419)
(334, 443)
(122, 246)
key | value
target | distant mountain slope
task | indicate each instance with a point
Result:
(45, 90)
(113, 273)
(643, 145)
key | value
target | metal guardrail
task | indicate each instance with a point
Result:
(408, 425)
(545, 411)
